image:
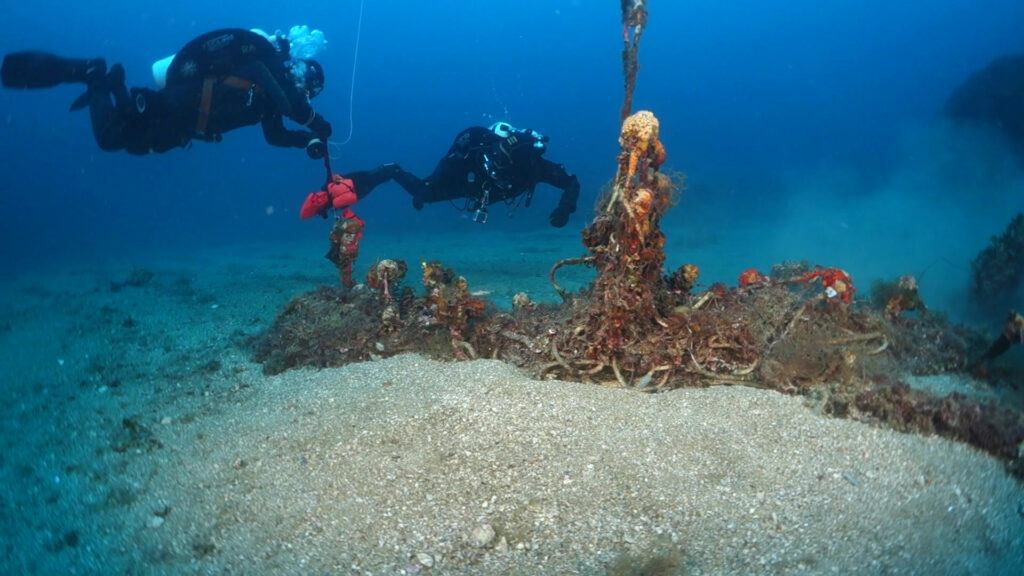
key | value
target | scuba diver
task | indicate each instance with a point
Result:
(216, 83)
(1013, 333)
(489, 165)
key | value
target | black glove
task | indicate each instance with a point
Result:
(559, 218)
(316, 149)
(321, 127)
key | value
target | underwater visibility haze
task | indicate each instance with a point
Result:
(137, 288)
(766, 108)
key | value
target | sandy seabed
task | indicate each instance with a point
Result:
(139, 438)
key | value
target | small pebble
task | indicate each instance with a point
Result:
(156, 521)
(481, 536)
(166, 420)
(501, 546)
(425, 560)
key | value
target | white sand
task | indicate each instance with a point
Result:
(360, 469)
(383, 467)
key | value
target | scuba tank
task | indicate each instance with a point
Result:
(160, 71)
(300, 42)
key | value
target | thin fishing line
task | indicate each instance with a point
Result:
(352, 88)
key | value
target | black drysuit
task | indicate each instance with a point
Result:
(485, 168)
(216, 83)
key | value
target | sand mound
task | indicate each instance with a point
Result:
(471, 468)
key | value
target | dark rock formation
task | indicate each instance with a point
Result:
(994, 97)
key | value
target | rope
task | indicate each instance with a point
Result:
(352, 88)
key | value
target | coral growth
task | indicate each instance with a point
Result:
(329, 327)
(385, 275)
(522, 301)
(682, 281)
(344, 251)
(836, 283)
(896, 299)
(751, 277)
(626, 245)
(450, 303)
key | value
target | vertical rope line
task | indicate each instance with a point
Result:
(352, 88)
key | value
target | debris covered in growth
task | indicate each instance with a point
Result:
(333, 327)
(344, 238)
(634, 20)
(898, 298)
(796, 330)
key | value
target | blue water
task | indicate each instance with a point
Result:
(746, 92)
(806, 129)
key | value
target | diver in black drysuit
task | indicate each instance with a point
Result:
(490, 165)
(216, 83)
(1013, 333)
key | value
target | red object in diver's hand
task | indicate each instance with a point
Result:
(314, 204)
(340, 193)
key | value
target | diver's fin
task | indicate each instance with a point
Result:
(33, 69)
(106, 84)
(82, 101)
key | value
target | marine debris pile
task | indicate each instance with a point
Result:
(797, 329)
